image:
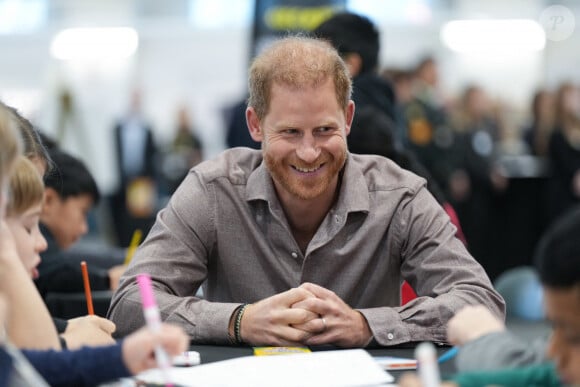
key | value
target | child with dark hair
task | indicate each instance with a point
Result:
(357, 40)
(70, 194)
(71, 178)
(487, 348)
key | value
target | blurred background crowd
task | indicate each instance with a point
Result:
(496, 123)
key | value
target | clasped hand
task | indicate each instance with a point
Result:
(306, 315)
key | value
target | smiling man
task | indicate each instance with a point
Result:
(303, 243)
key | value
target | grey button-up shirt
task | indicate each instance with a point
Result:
(225, 229)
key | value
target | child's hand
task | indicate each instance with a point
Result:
(88, 330)
(139, 347)
(470, 323)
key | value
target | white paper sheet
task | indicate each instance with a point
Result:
(354, 367)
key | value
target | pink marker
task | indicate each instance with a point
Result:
(151, 313)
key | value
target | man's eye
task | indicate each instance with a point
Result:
(324, 129)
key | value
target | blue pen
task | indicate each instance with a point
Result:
(448, 355)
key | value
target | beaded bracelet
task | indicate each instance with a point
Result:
(238, 324)
(231, 333)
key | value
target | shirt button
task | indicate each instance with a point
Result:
(390, 336)
(337, 219)
(294, 255)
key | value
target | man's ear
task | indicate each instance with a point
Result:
(51, 198)
(349, 116)
(254, 126)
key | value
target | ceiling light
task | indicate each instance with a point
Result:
(493, 35)
(94, 43)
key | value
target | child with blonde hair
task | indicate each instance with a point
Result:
(25, 314)
(74, 333)
(28, 325)
(23, 213)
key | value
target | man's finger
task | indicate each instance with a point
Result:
(317, 290)
(295, 295)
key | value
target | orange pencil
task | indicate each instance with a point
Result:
(87, 284)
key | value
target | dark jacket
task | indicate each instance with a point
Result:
(60, 271)
(370, 89)
(88, 366)
(149, 154)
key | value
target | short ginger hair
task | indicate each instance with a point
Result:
(297, 62)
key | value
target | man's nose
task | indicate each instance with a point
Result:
(308, 149)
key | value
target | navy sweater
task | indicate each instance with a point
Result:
(83, 367)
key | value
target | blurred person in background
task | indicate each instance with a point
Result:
(402, 81)
(537, 133)
(357, 40)
(476, 182)
(564, 152)
(427, 124)
(184, 152)
(135, 202)
(479, 131)
(426, 85)
(236, 127)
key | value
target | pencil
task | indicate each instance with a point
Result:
(450, 354)
(133, 246)
(87, 285)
